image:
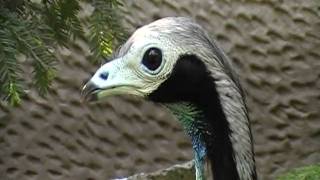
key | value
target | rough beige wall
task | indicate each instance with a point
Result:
(275, 46)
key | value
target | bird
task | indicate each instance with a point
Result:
(174, 62)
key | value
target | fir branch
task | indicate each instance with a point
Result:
(9, 68)
(31, 44)
(104, 35)
(35, 29)
(61, 17)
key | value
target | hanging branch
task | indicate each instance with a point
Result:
(104, 35)
(34, 29)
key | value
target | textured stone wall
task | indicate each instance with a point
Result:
(275, 46)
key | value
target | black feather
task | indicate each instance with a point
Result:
(191, 82)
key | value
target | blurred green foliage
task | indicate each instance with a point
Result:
(33, 29)
(305, 173)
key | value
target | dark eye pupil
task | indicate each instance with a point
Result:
(152, 58)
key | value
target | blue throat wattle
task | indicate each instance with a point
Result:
(191, 119)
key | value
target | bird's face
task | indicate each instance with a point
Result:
(160, 61)
(146, 62)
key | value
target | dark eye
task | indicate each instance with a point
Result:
(152, 58)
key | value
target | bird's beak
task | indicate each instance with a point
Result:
(89, 92)
(113, 78)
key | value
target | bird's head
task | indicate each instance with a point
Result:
(173, 60)
(159, 58)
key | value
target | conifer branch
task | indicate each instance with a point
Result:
(34, 30)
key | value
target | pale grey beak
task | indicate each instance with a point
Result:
(89, 92)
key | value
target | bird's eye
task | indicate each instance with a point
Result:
(152, 59)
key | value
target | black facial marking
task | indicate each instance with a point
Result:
(187, 77)
(191, 82)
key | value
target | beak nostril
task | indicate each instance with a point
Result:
(104, 75)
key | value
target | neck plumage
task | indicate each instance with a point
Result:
(218, 125)
(204, 95)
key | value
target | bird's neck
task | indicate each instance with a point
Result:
(213, 112)
(224, 140)
(191, 119)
